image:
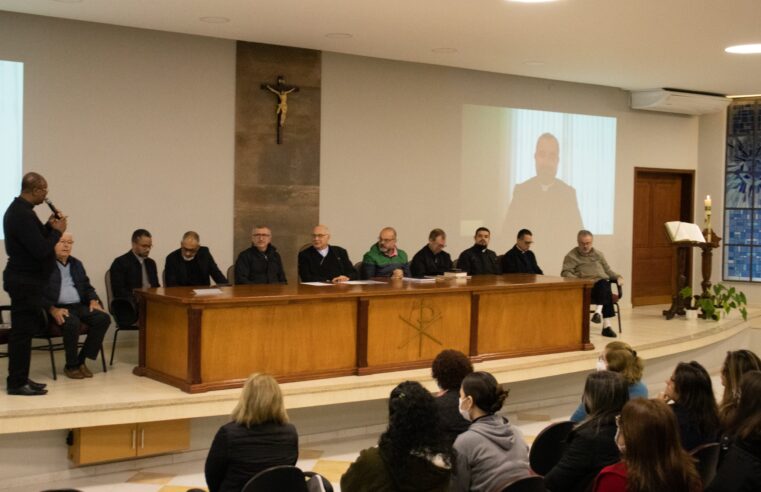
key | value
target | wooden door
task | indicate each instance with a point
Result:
(162, 437)
(103, 443)
(659, 196)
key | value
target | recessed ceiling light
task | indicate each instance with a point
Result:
(532, 1)
(68, 1)
(534, 63)
(740, 96)
(744, 49)
(214, 20)
(445, 50)
(339, 35)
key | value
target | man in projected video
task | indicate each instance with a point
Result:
(544, 204)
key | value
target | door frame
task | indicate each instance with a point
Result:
(686, 209)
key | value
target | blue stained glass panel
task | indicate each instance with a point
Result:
(739, 177)
(738, 227)
(742, 119)
(756, 264)
(757, 227)
(737, 263)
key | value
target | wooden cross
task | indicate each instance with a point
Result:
(281, 90)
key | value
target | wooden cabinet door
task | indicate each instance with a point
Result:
(162, 437)
(103, 443)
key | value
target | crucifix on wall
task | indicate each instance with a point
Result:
(281, 90)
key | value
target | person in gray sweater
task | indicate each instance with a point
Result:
(491, 453)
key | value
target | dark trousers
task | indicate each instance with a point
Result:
(602, 295)
(97, 322)
(27, 318)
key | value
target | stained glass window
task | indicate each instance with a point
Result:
(742, 200)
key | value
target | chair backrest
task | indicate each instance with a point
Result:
(163, 277)
(528, 484)
(707, 456)
(109, 290)
(277, 478)
(548, 447)
(231, 275)
(358, 268)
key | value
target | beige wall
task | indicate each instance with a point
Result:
(132, 128)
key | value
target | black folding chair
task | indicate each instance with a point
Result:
(549, 446)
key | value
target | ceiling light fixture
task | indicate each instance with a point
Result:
(532, 1)
(534, 63)
(741, 96)
(339, 35)
(445, 51)
(214, 20)
(68, 1)
(744, 49)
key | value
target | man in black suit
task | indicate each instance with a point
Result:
(191, 265)
(479, 259)
(261, 263)
(323, 262)
(31, 257)
(132, 270)
(70, 300)
(520, 259)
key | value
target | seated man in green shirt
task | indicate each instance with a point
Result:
(384, 259)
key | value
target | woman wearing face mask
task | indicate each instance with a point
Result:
(491, 453)
(653, 457)
(694, 404)
(591, 445)
(619, 357)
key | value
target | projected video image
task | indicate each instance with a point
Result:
(11, 129)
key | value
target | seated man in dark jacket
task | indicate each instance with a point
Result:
(261, 263)
(479, 259)
(192, 264)
(132, 270)
(70, 300)
(520, 258)
(323, 262)
(432, 260)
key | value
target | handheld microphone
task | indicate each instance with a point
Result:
(56, 212)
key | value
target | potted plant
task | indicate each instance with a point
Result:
(721, 299)
(690, 303)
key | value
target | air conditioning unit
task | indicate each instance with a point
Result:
(678, 101)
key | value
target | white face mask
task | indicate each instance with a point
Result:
(465, 414)
(601, 365)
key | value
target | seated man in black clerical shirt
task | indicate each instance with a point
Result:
(192, 264)
(432, 259)
(261, 263)
(132, 270)
(70, 300)
(479, 259)
(323, 262)
(520, 259)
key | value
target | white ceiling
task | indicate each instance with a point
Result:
(632, 44)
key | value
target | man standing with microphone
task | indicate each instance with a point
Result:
(30, 246)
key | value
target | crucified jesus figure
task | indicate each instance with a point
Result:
(282, 105)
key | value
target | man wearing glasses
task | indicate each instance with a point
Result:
(192, 264)
(261, 263)
(323, 262)
(384, 259)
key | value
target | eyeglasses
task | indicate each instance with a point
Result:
(386, 240)
(319, 236)
(261, 235)
(67, 242)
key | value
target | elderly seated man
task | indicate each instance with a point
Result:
(586, 262)
(192, 264)
(384, 259)
(70, 300)
(325, 262)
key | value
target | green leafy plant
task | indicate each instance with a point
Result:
(690, 301)
(721, 299)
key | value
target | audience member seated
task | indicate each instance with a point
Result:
(70, 300)
(591, 445)
(653, 457)
(520, 258)
(410, 454)
(448, 369)
(384, 259)
(261, 263)
(491, 453)
(192, 264)
(741, 468)
(133, 270)
(432, 260)
(586, 262)
(736, 364)
(259, 437)
(621, 358)
(323, 262)
(694, 404)
(479, 259)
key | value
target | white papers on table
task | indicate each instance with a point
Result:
(420, 280)
(207, 292)
(317, 284)
(363, 282)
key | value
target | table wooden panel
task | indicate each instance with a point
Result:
(297, 332)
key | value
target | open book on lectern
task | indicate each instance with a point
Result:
(684, 232)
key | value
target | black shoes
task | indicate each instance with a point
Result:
(36, 385)
(596, 318)
(608, 332)
(26, 390)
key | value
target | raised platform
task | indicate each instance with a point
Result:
(120, 397)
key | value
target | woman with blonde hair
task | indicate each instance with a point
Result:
(259, 437)
(619, 357)
(653, 457)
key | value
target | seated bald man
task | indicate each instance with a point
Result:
(384, 259)
(70, 300)
(192, 264)
(324, 262)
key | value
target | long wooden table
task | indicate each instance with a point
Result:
(296, 332)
